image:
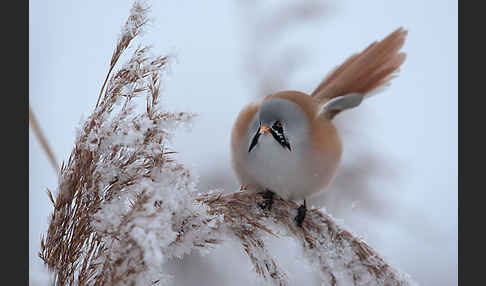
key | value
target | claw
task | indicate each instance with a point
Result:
(301, 212)
(268, 202)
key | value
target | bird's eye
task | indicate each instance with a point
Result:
(277, 126)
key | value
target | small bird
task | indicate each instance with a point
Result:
(287, 144)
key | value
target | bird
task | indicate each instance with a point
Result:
(286, 144)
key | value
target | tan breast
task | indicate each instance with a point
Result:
(238, 134)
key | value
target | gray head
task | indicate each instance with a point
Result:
(281, 118)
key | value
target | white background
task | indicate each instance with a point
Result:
(409, 210)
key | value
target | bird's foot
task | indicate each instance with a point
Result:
(268, 202)
(301, 212)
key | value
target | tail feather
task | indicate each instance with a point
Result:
(366, 71)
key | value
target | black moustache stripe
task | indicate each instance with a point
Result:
(280, 139)
(278, 136)
(254, 141)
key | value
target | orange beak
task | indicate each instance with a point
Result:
(264, 129)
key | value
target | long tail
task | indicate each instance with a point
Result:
(366, 71)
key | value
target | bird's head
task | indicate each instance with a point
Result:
(281, 119)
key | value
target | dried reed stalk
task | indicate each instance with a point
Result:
(124, 206)
(42, 139)
(132, 28)
(340, 257)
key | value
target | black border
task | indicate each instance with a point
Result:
(15, 207)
